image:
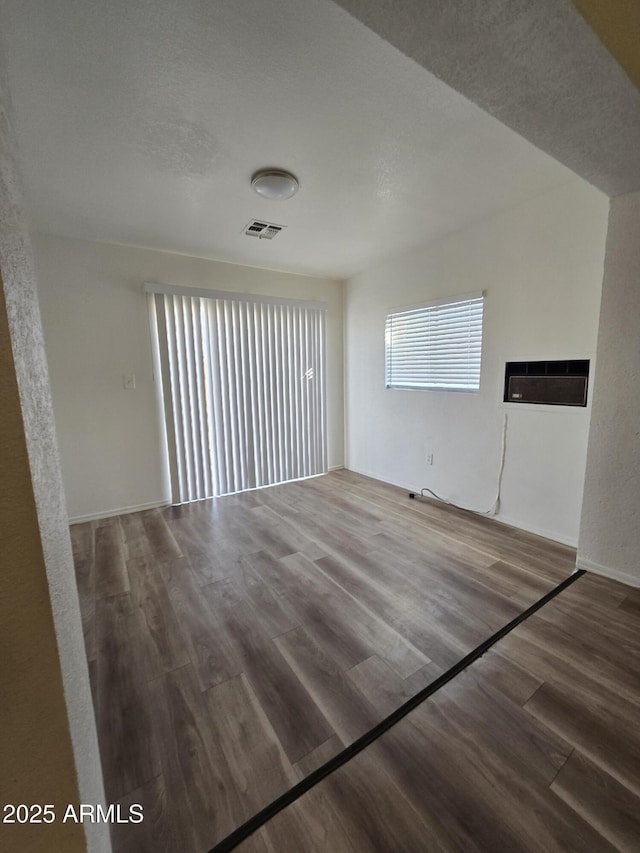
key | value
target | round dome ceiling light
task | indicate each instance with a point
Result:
(275, 184)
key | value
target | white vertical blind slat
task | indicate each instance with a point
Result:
(258, 402)
(290, 394)
(299, 369)
(209, 397)
(313, 383)
(224, 435)
(158, 309)
(281, 392)
(193, 398)
(286, 384)
(292, 429)
(183, 395)
(271, 394)
(267, 461)
(175, 392)
(238, 392)
(322, 388)
(251, 397)
(320, 391)
(307, 379)
(231, 388)
(244, 388)
(250, 467)
(299, 407)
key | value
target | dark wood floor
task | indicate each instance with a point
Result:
(535, 747)
(236, 644)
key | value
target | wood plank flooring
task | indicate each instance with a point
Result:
(237, 644)
(535, 747)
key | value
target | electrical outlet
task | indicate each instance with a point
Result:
(429, 458)
(129, 382)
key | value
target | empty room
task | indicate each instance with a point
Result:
(319, 426)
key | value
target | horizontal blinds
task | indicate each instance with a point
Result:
(436, 346)
(244, 392)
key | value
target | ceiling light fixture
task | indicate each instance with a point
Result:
(275, 184)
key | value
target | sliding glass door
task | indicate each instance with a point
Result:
(243, 386)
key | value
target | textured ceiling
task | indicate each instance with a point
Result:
(617, 23)
(141, 122)
(536, 66)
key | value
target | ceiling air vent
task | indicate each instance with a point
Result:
(263, 230)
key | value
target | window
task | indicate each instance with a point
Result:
(243, 383)
(436, 346)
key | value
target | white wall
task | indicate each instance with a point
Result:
(18, 281)
(541, 266)
(610, 527)
(96, 330)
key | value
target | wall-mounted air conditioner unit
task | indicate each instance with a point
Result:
(550, 383)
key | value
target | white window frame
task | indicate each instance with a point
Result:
(436, 345)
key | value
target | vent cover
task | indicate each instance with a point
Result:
(551, 383)
(263, 230)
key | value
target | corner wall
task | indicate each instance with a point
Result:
(35, 751)
(610, 526)
(49, 749)
(541, 266)
(96, 328)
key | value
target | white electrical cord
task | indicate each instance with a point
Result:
(495, 509)
(496, 504)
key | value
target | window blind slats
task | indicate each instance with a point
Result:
(450, 307)
(437, 346)
(243, 387)
(265, 407)
(270, 397)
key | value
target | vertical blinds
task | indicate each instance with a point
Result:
(243, 384)
(437, 346)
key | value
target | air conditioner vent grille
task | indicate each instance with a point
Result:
(263, 230)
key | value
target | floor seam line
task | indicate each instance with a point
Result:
(264, 815)
(573, 749)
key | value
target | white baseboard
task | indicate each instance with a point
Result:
(608, 572)
(538, 531)
(501, 519)
(379, 479)
(123, 510)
